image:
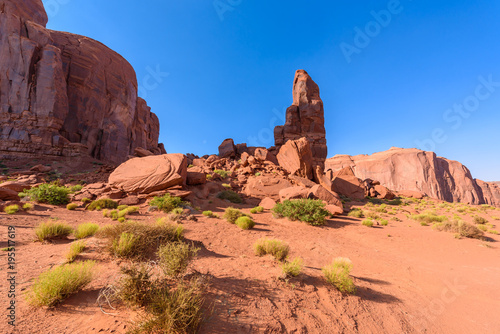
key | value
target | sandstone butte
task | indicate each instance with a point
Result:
(66, 95)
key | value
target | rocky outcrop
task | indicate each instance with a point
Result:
(305, 118)
(63, 94)
(415, 170)
(296, 157)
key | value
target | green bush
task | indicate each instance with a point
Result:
(75, 249)
(480, 220)
(56, 284)
(337, 274)
(245, 223)
(384, 222)
(100, 204)
(48, 193)
(367, 223)
(357, 213)
(121, 207)
(306, 210)
(11, 209)
(274, 247)
(230, 195)
(174, 257)
(222, 173)
(76, 188)
(28, 207)
(232, 214)
(85, 230)
(72, 206)
(258, 209)
(52, 230)
(166, 203)
(208, 214)
(293, 268)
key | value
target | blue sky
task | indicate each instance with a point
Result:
(391, 73)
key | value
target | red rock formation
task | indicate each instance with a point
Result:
(296, 157)
(64, 94)
(305, 118)
(415, 170)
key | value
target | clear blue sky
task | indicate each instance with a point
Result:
(231, 70)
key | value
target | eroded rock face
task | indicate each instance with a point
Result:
(305, 118)
(415, 170)
(65, 94)
(296, 157)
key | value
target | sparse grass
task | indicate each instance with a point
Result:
(28, 207)
(306, 210)
(480, 220)
(230, 195)
(222, 173)
(256, 210)
(144, 237)
(277, 248)
(495, 218)
(482, 227)
(175, 257)
(11, 209)
(51, 230)
(74, 250)
(72, 206)
(367, 223)
(424, 224)
(232, 214)
(85, 230)
(493, 231)
(245, 223)
(429, 218)
(357, 213)
(458, 226)
(293, 268)
(100, 204)
(54, 285)
(48, 193)
(167, 203)
(337, 274)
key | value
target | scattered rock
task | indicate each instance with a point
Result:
(267, 203)
(41, 169)
(265, 186)
(8, 194)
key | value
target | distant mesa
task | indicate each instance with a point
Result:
(66, 95)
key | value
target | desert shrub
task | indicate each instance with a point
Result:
(462, 209)
(113, 214)
(146, 237)
(480, 220)
(121, 207)
(86, 200)
(28, 207)
(428, 218)
(245, 223)
(495, 218)
(11, 209)
(100, 204)
(458, 226)
(232, 214)
(357, 213)
(125, 245)
(175, 257)
(382, 208)
(396, 201)
(372, 215)
(257, 209)
(72, 206)
(74, 250)
(274, 247)
(209, 177)
(230, 195)
(134, 285)
(52, 230)
(167, 203)
(122, 220)
(384, 222)
(293, 268)
(208, 213)
(367, 223)
(306, 210)
(56, 284)
(226, 185)
(76, 188)
(482, 227)
(222, 173)
(178, 211)
(85, 230)
(493, 231)
(48, 193)
(337, 274)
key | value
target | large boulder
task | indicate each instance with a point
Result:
(227, 149)
(149, 174)
(15, 186)
(305, 118)
(296, 192)
(196, 176)
(296, 158)
(265, 186)
(321, 193)
(65, 95)
(344, 182)
(8, 195)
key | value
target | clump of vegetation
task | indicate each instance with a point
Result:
(306, 210)
(100, 204)
(167, 203)
(245, 223)
(72, 206)
(372, 215)
(396, 201)
(462, 228)
(231, 215)
(226, 185)
(127, 211)
(85, 230)
(48, 193)
(52, 230)
(480, 220)
(56, 284)
(175, 257)
(293, 268)
(140, 239)
(135, 285)
(428, 218)
(209, 214)
(86, 200)
(28, 207)
(337, 274)
(74, 250)
(222, 173)
(256, 210)
(76, 188)
(230, 195)
(382, 208)
(357, 213)
(493, 231)
(11, 209)
(277, 248)
(384, 222)
(367, 223)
